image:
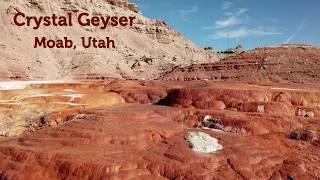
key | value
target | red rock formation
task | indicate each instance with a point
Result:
(288, 63)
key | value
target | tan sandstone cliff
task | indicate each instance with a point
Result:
(143, 51)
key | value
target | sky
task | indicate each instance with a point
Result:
(252, 23)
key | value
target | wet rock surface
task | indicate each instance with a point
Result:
(137, 130)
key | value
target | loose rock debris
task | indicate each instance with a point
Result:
(304, 113)
(215, 124)
(211, 123)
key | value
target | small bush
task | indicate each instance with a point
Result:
(302, 135)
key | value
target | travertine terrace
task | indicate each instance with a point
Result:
(137, 129)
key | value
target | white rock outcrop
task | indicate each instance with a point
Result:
(202, 142)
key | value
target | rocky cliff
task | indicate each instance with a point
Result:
(144, 50)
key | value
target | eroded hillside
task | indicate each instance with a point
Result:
(287, 63)
(144, 50)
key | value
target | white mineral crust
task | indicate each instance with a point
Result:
(202, 142)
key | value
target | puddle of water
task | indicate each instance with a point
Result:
(16, 85)
(288, 89)
(69, 103)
